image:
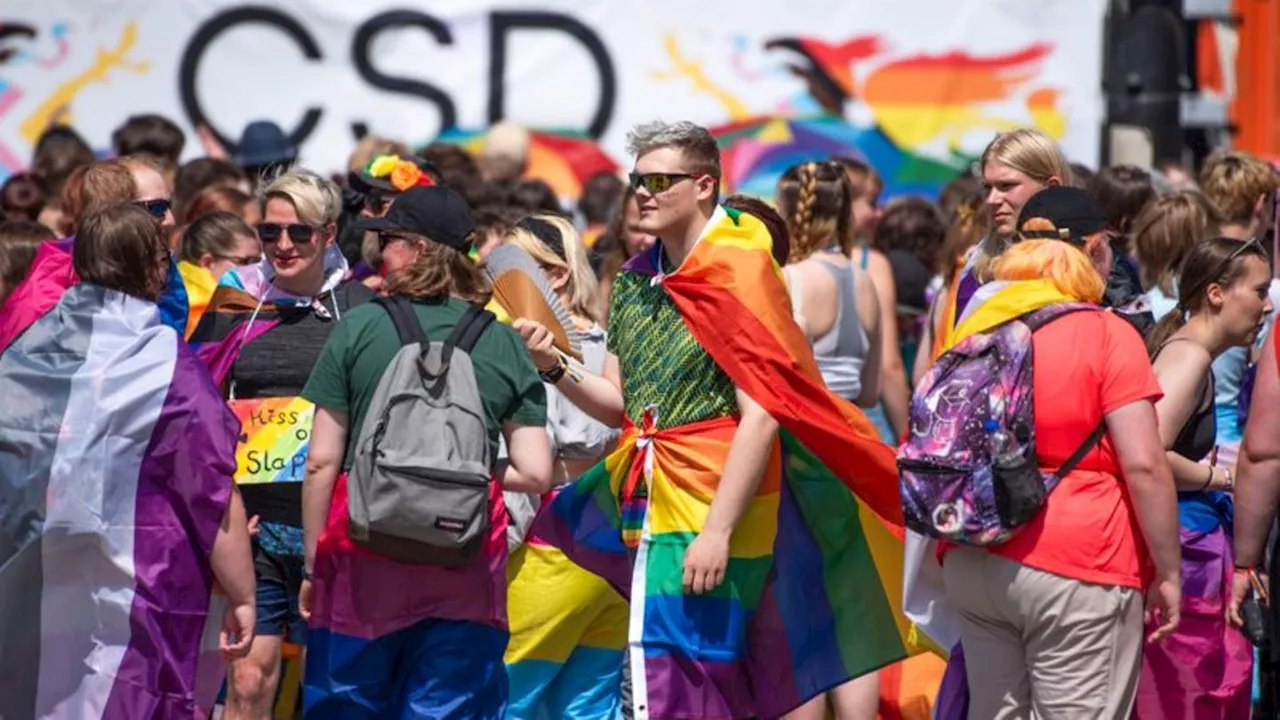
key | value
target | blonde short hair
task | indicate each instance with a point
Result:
(316, 199)
(1232, 182)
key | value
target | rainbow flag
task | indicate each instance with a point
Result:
(51, 275)
(116, 454)
(275, 434)
(811, 597)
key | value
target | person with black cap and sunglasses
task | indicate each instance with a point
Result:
(436, 634)
(368, 194)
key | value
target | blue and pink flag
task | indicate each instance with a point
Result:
(116, 456)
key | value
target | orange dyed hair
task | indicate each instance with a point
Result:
(1060, 263)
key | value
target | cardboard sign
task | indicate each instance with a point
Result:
(275, 434)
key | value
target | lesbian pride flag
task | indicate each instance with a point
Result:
(116, 455)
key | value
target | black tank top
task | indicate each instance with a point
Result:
(1199, 433)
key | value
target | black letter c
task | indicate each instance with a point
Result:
(205, 36)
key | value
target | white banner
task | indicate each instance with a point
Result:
(936, 78)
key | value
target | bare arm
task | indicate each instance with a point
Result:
(529, 456)
(869, 312)
(232, 558)
(707, 557)
(1182, 370)
(924, 355)
(1134, 434)
(324, 462)
(599, 396)
(1258, 487)
(893, 374)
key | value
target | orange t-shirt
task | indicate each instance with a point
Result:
(1087, 364)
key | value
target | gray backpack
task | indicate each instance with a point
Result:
(419, 486)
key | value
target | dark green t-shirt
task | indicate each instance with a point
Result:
(361, 347)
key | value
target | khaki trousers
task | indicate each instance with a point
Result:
(1038, 645)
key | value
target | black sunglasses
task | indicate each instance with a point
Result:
(298, 232)
(387, 237)
(655, 183)
(158, 207)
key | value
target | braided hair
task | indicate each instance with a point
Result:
(816, 200)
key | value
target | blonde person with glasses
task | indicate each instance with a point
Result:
(260, 338)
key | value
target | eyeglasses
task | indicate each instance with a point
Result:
(159, 207)
(656, 183)
(376, 203)
(241, 260)
(298, 232)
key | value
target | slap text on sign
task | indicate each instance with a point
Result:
(274, 436)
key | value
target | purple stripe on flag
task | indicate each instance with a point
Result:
(184, 487)
(682, 688)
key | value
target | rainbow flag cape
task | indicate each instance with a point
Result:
(116, 454)
(50, 276)
(812, 592)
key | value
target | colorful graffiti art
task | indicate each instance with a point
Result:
(25, 48)
(912, 117)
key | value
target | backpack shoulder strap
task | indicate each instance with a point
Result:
(402, 316)
(1094, 438)
(1037, 319)
(469, 329)
(465, 334)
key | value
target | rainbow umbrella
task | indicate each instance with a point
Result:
(563, 159)
(755, 153)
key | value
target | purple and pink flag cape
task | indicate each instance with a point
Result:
(116, 456)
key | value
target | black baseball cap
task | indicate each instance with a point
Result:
(431, 210)
(1071, 213)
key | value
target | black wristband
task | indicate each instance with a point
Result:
(553, 375)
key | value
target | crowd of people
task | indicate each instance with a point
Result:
(685, 410)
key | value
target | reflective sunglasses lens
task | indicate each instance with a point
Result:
(657, 183)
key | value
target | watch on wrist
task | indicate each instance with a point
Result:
(553, 374)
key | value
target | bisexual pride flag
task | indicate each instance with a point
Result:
(116, 455)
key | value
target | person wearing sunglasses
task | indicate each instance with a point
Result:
(371, 191)
(703, 360)
(133, 180)
(1222, 303)
(260, 338)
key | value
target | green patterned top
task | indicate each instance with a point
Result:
(661, 362)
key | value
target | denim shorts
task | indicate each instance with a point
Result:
(279, 579)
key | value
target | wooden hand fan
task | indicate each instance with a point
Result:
(523, 292)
